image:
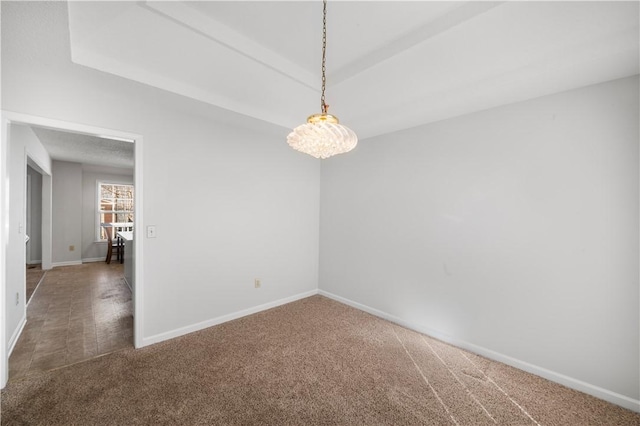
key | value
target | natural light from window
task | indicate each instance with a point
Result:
(115, 205)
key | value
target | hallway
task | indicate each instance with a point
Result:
(77, 313)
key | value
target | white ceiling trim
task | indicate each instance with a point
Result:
(218, 32)
(419, 35)
(496, 77)
(87, 44)
(184, 14)
(89, 57)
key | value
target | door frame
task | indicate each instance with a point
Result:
(27, 210)
(45, 211)
(10, 117)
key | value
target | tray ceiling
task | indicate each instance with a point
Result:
(390, 65)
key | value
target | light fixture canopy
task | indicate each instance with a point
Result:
(322, 136)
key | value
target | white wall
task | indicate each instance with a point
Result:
(513, 230)
(67, 213)
(34, 246)
(92, 250)
(230, 200)
(22, 142)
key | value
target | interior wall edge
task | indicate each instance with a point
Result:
(4, 224)
(172, 334)
(570, 382)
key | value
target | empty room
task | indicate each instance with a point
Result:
(331, 212)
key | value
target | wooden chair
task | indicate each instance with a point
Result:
(111, 244)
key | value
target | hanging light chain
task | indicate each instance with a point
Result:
(322, 135)
(323, 104)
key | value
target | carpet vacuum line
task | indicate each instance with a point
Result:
(424, 378)
(499, 388)
(459, 381)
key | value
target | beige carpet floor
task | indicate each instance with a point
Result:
(34, 275)
(311, 362)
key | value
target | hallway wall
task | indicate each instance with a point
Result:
(67, 213)
(22, 143)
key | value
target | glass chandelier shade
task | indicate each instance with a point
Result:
(322, 135)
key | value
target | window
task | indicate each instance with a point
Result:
(115, 204)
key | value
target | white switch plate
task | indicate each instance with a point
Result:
(151, 231)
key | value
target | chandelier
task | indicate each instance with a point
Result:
(322, 135)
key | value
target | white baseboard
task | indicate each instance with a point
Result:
(222, 319)
(69, 263)
(570, 382)
(16, 335)
(34, 262)
(93, 259)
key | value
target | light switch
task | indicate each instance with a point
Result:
(151, 231)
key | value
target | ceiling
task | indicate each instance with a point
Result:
(87, 150)
(390, 65)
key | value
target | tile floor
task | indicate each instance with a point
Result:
(77, 313)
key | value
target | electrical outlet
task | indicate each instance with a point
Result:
(256, 283)
(17, 298)
(72, 248)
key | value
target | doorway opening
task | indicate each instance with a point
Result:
(34, 271)
(47, 257)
